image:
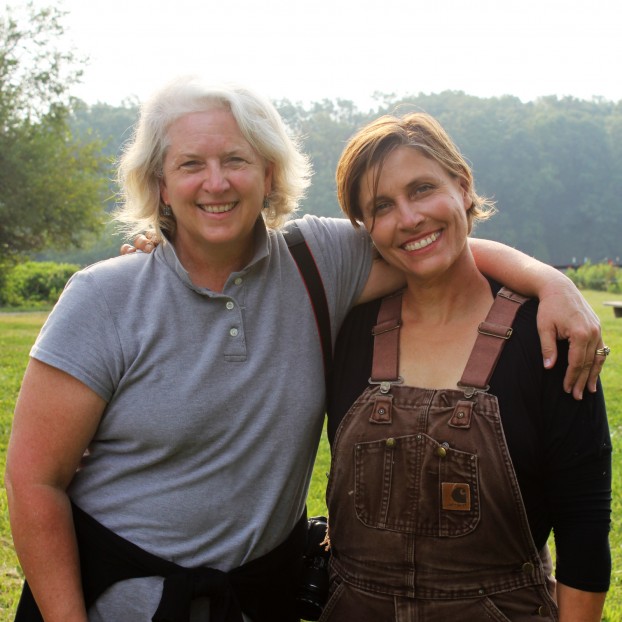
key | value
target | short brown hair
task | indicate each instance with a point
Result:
(374, 142)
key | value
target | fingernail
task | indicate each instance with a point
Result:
(547, 362)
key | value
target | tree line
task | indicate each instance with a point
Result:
(554, 165)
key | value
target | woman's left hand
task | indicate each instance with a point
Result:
(580, 325)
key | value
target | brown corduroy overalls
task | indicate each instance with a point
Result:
(426, 517)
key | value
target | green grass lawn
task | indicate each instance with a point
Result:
(18, 331)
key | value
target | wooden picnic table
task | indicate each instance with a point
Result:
(617, 306)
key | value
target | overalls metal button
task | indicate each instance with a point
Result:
(528, 568)
(442, 450)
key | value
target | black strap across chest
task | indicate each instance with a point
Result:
(310, 274)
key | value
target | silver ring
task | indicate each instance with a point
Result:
(604, 351)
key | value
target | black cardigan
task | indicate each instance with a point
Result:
(264, 588)
(560, 447)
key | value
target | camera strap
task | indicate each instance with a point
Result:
(310, 274)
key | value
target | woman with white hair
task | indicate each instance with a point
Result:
(166, 429)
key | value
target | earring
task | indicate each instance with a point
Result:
(166, 210)
(266, 202)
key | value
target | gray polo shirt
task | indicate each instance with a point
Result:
(215, 400)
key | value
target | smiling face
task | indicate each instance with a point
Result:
(215, 184)
(417, 216)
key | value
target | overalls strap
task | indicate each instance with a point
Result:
(385, 367)
(493, 332)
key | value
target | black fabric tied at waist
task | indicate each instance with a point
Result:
(182, 587)
(263, 588)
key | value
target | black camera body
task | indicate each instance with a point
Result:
(313, 589)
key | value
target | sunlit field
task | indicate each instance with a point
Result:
(18, 331)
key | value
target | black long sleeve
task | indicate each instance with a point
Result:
(560, 447)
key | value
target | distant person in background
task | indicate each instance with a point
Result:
(454, 453)
(166, 429)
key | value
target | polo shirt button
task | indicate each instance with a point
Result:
(234, 332)
(229, 305)
(238, 280)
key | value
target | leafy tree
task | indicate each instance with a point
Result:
(112, 125)
(324, 128)
(51, 183)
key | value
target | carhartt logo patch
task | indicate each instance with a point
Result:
(456, 497)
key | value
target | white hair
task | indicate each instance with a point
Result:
(140, 165)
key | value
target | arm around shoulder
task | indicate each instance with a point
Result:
(383, 280)
(563, 312)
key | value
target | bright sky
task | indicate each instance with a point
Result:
(307, 50)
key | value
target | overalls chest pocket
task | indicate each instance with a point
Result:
(417, 485)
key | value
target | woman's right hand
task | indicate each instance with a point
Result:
(145, 243)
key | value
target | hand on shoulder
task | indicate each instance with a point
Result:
(145, 242)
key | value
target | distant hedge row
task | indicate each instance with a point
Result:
(39, 284)
(34, 284)
(599, 276)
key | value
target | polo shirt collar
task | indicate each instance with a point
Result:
(166, 253)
